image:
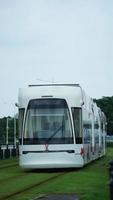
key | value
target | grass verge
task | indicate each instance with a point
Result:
(89, 183)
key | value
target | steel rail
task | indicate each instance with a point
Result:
(8, 166)
(19, 192)
(12, 178)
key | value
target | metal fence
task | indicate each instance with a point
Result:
(8, 151)
(8, 138)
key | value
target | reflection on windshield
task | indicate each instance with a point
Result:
(47, 121)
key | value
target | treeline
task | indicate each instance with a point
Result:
(106, 104)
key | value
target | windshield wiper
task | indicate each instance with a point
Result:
(54, 133)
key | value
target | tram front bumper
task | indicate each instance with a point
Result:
(50, 160)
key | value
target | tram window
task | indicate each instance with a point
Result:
(87, 127)
(77, 120)
(20, 121)
(102, 127)
(48, 121)
(96, 126)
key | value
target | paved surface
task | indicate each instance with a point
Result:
(58, 197)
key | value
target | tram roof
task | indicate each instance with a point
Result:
(73, 93)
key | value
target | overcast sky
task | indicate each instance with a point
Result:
(65, 41)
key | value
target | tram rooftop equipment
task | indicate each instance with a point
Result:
(59, 127)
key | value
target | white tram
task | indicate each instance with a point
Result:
(59, 126)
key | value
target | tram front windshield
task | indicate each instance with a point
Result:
(47, 122)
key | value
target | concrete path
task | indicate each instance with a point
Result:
(58, 197)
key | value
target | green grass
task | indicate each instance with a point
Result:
(89, 183)
(109, 144)
(8, 161)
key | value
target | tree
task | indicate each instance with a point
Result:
(106, 105)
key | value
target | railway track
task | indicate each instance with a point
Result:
(8, 166)
(38, 184)
(12, 178)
